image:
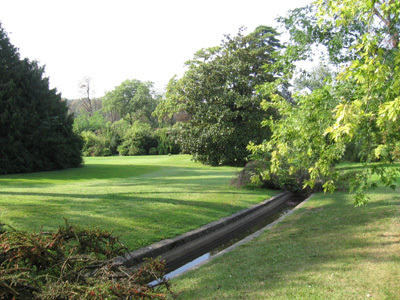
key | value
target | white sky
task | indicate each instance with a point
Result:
(111, 41)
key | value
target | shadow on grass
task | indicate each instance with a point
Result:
(146, 198)
(111, 172)
(86, 172)
(117, 199)
(131, 216)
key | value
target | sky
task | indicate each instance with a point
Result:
(112, 41)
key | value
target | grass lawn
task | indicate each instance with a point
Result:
(328, 249)
(143, 199)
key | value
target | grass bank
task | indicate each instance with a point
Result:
(143, 199)
(328, 249)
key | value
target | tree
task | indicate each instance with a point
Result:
(365, 96)
(218, 94)
(132, 100)
(317, 78)
(35, 128)
(87, 102)
(94, 123)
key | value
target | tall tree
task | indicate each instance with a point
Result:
(85, 87)
(218, 93)
(132, 100)
(363, 36)
(35, 128)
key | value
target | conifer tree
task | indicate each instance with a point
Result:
(35, 127)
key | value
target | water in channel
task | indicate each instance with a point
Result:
(284, 209)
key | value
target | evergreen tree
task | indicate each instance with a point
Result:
(218, 95)
(35, 127)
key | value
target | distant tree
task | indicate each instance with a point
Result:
(93, 123)
(35, 128)
(218, 95)
(315, 79)
(132, 100)
(87, 100)
(76, 108)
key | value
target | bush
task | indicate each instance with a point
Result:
(94, 123)
(153, 151)
(95, 145)
(123, 151)
(72, 263)
(106, 152)
(138, 140)
(131, 151)
(166, 140)
(250, 175)
(255, 174)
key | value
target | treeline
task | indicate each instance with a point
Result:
(122, 122)
(236, 102)
(212, 112)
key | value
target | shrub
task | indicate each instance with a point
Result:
(166, 140)
(123, 150)
(106, 152)
(138, 140)
(250, 175)
(85, 122)
(255, 174)
(95, 145)
(130, 151)
(153, 151)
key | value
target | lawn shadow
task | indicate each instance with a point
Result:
(111, 172)
(131, 216)
(86, 172)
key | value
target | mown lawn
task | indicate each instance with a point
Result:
(328, 249)
(143, 199)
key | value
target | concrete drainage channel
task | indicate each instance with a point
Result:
(185, 251)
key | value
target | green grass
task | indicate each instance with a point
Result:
(142, 199)
(328, 249)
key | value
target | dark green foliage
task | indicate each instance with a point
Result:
(166, 138)
(95, 145)
(72, 263)
(252, 175)
(132, 100)
(2, 228)
(123, 138)
(153, 151)
(130, 132)
(85, 122)
(218, 94)
(35, 128)
(138, 140)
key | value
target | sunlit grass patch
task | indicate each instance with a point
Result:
(143, 199)
(328, 249)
